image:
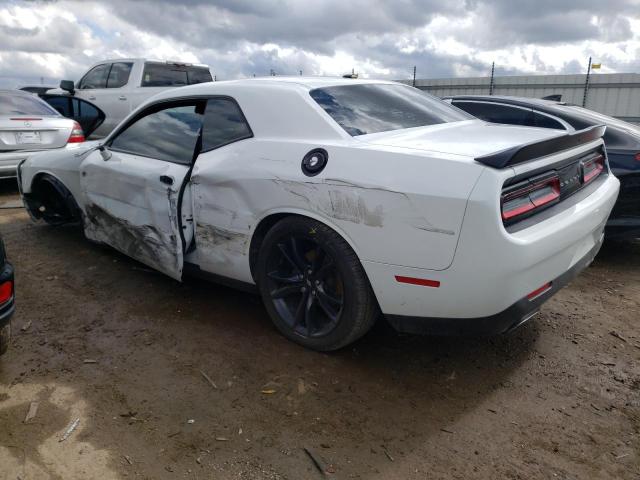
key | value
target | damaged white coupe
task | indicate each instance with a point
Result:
(339, 200)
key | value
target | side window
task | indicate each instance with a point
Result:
(163, 75)
(223, 123)
(545, 121)
(496, 113)
(96, 77)
(119, 75)
(168, 134)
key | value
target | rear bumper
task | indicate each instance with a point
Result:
(493, 269)
(8, 307)
(503, 322)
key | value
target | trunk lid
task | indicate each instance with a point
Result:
(471, 138)
(30, 132)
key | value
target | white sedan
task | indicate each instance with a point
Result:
(339, 199)
(29, 124)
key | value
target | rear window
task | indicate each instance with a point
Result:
(371, 108)
(172, 75)
(498, 113)
(24, 105)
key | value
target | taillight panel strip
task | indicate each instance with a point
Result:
(531, 195)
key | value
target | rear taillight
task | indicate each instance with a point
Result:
(77, 135)
(637, 156)
(6, 291)
(525, 198)
(592, 168)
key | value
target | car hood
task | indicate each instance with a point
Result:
(471, 138)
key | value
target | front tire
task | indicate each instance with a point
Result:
(313, 285)
(5, 338)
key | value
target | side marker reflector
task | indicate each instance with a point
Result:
(418, 281)
(539, 291)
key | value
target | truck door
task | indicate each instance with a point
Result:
(105, 86)
(136, 189)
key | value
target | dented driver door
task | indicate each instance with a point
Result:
(137, 197)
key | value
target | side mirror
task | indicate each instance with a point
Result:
(68, 86)
(104, 152)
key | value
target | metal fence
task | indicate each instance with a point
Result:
(615, 94)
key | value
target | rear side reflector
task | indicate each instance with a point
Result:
(77, 135)
(526, 197)
(539, 291)
(6, 291)
(424, 282)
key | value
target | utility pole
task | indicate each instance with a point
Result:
(493, 69)
(414, 75)
(586, 85)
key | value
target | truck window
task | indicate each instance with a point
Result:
(96, 77)
(173, 75)
(119, 74)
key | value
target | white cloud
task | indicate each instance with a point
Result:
(238, 38)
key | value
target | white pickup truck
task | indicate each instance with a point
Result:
(117, 87)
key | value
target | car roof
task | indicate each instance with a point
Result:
(524, 101)
(293, 83)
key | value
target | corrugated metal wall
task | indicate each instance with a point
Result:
(615, 94)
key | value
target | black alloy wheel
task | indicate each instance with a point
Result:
(313, 285)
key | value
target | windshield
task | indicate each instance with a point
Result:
(17, 104)
(370, 108)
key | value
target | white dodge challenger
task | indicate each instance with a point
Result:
(337, 200)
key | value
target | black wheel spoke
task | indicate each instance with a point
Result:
(297, 256)
(324, 305)
(287, 290)
(301, 310)
(308, 316)
(325, 269)
(289, 279)
(289, 258)
(329, 298)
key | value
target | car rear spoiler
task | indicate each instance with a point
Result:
(529, 151)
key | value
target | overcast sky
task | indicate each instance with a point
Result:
(239, 38)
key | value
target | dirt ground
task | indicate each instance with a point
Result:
(102, 339)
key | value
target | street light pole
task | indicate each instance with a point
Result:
(586, 85)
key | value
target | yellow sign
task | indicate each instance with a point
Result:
(596, 65)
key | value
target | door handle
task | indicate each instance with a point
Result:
(122, 97)
(166, 179)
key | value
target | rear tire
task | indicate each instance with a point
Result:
(313, 285)
(5, 338)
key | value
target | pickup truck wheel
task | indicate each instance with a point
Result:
(5, 338)
(314, 286)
